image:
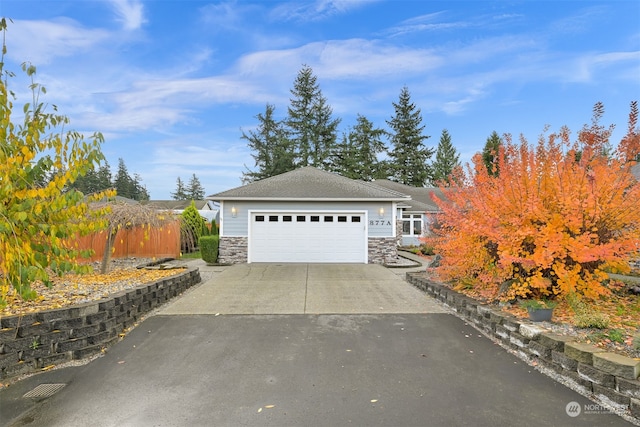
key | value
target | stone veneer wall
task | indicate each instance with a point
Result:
(588, 369)
(233, 250)
(30, 342)
(382, 250)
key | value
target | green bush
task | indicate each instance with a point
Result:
(585, 316)
(426, 249)
(209, 248)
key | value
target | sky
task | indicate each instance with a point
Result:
(172, 84)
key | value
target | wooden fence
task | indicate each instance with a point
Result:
(137, 242)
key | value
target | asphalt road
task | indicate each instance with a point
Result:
(424, 369)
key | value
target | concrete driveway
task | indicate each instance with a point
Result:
(302, 289)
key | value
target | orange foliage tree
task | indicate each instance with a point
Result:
(556, 217)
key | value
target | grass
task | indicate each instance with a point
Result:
(192, 255)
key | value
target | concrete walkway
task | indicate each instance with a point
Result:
(302, 289)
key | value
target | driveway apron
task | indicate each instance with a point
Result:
(302, 289)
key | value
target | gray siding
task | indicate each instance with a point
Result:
(238, 226)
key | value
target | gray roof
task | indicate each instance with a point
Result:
(176, 204)
(420, 196)
(309, 183)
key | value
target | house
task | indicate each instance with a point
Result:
(309, 215)
(206, 208)
(417, 214)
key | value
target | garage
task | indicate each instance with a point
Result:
(303, 236)
(308, 215)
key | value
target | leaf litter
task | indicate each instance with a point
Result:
(73, 289)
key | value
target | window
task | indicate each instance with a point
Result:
(355, 219)
(301, 218)
(259, 218)
(273, 218)
(412, 224)
(328, 218)
(315, 218)
(342, 219)
(286, 218)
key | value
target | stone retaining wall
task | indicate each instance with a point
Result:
(31, 342)
(590, 370)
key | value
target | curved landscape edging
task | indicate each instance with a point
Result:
(34, 341)
(590, 370)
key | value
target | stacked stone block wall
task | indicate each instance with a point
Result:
(590, 370)
(31, 342)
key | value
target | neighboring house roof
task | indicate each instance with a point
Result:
(177, 204)
(420, 196)
(309, 183)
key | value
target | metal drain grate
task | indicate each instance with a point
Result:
(44, 390)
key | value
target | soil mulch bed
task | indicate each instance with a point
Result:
(72, 289)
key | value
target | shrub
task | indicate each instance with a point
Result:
(427, 249)
(586, 316)
(192, 228)
(209, 248)
(550, 218)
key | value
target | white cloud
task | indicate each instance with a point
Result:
(315, 10)
(41, 41)
(129, 12)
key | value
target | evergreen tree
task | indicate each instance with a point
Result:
(129, 187)
(123, 182)
(103, 177)
(408, 158)
(489, 152)
(94, 180)
(139, 191)
(272, 151)
(447, 160)
(310, 125)
(195, 190)
(356, 157)
(181, 192)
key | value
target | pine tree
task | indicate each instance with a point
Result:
(96, 179)
(122, 181)
(447, 160)
(129, 187)
(489, 152)
(140, 192)
(195, 190)
(310, 125)
(180, 193)
(356, 157)
(272, 150)
(408, 158)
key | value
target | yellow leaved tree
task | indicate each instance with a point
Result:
(39, 214)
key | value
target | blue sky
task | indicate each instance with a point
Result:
(172, 83)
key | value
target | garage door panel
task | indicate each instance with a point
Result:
(307, 237)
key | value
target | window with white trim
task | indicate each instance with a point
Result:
(412, 224)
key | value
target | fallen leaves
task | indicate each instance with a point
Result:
(77, 289)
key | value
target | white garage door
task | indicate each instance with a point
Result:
(335, 237)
